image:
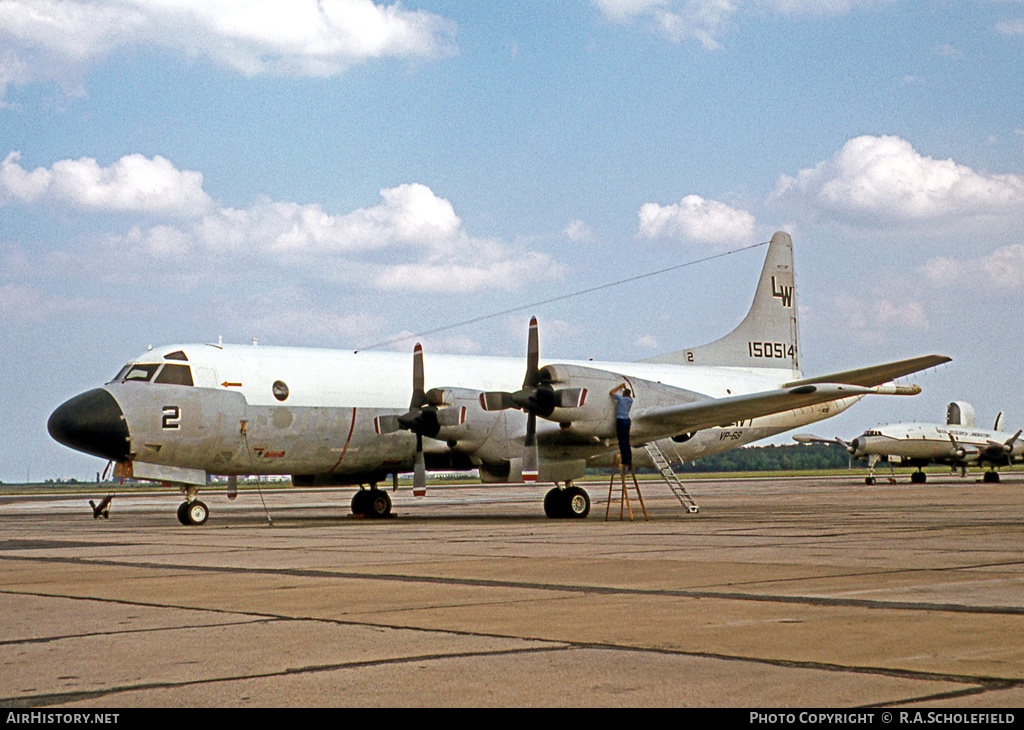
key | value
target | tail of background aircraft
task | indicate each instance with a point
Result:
(769, 336)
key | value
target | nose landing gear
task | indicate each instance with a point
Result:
(193, 513)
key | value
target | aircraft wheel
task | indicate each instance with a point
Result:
(183, 514)
(359, 500)
(378, 504)
(869, 480)
(992, 477)
(577, 503)
(197, 513)
(918, 477)
(556, 504)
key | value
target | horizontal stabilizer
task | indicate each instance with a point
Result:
(876, 374)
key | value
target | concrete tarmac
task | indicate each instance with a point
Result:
(811, 592)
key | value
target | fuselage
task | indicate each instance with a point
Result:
(234, 410)
(922, 443)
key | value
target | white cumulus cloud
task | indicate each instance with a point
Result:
(705, 21)
(678, 20)
(132, 184)
(696, 219)
(869, 320)
(1001, 271)
(413, 239)
(410, 215)
(579, 232)
(60, 40)
(1011, 27)
(883, 180)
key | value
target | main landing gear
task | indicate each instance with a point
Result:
(567, 503)
(373, 502)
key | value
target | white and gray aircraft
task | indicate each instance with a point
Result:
(958, 444)
(183, 413)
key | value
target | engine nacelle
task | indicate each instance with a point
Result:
(461, 418)
(592, 407)
(596, 416)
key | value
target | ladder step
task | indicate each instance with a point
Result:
(664, 466)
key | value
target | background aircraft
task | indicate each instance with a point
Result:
(181, 413)
(958, 444)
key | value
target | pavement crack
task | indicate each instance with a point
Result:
(63, 698)
(808, 600)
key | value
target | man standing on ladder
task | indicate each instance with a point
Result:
(622, 423)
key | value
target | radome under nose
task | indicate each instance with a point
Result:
(94, 423)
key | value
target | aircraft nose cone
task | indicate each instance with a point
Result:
(93, 423)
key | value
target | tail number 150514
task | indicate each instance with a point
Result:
(780, 350)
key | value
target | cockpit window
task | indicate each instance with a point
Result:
(121, 373)
(143, 372)
(176, 355)
(139, 372)
(175, 375)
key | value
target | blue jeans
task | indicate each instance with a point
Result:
(622, 431)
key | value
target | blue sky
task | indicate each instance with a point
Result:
(341, 173)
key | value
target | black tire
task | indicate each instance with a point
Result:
(183, 514)
(360, 502)
(556, 504)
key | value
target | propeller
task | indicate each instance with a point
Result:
(958, 451)
(997, 450)
(1007, 446)
(424, 418)
(963, 452)
(536, 398)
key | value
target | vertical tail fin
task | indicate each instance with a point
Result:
(769, 336)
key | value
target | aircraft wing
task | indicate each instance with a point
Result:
(724, 411)
(876, 374)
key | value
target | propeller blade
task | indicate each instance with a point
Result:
(419, 397)
(232, 486)
(531, 454)
(532, 356)
(419, 478)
